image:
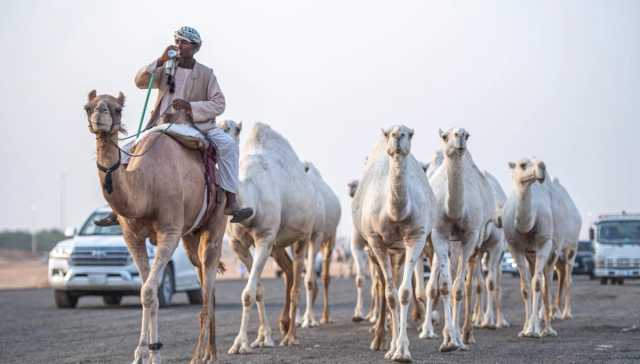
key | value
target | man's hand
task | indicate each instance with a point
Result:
(180, 104)
(165, 55)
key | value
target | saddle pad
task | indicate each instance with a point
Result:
(185, 134)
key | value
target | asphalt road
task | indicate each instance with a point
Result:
(32, 330)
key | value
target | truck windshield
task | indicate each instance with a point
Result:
(619, 232)
(89, 228)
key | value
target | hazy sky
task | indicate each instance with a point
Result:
(559, 80)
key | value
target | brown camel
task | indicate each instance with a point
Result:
(158, 196)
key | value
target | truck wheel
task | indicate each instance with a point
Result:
(65, 299)
(620, 281)
(165, 290)
(112, 300)
(603, 281)
(195, 296)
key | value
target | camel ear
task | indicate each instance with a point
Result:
(239, 127)
(512, 165)
(121, 98)
(443, 135)
(411, 131)
(425, 167)
(466, 137)
(385, 133)
(92, 95)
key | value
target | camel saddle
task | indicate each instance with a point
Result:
(191, 138)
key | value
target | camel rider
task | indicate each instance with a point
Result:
(194, 89)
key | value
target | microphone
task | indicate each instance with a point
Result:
(170, 68)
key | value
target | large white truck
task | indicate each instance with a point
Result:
(616, 245)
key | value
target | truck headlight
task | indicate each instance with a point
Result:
(61, 252)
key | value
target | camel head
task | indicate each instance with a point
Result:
(398, 140)
(232, 128)
(353, 187)
(527, 171)
(104, 113)
(455, 141)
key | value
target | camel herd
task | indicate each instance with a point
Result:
(448, 211)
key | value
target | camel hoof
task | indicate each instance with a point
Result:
(469, 339)
(566, 316)
(326, 320)
(376, 344)
(310, 323)
(289, 341)
(549, 332)
(357, 319)
(399, 358)
(449, 347)
(428, 335)
(488, 326)
(530, 334)
(503, 324)
(262, 343)
(239, 348)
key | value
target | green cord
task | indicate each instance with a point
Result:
(146, 101)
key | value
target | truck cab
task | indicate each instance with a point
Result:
(616, 245)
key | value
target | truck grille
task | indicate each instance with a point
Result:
(100, 256)
(623, 263)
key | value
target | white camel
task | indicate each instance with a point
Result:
(274, 183)
(539, 222)
(465, 207)
(492, 248)
(392, 210)
(568, 224)
(323, 238)
(361, 257)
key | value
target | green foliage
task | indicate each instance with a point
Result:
(21, 239)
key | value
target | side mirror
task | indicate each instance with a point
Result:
(592, 234)
(70, 232)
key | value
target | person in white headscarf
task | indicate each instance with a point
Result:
(194, 88)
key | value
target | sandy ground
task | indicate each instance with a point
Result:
(32, 330)
(20, 269)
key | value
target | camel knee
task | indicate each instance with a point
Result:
(247, 299)
(147, 296)
(525, 293)
(405, 296)
(433, 293)
(309, 284)
(536, 284)
(459, 295)
(491, 285)
(444, 290)
(391, 300)
(359, 281)
(478, 289)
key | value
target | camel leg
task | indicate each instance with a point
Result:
(501, 321)
(560, 270)
(417, 311)
(309, 319)
(546, 297)
(541, 258)
(383, 261)
(285, 263)
(138, 251)
(451, 338)
(379, 326)
(491, 286)
(480, 295)
(210, 252)
(298, 260)
(359, 257)
(568, 282)
(427, 331)
(374, 306)
(470, 263)
(525, 290)
(413, 253)
(326, 278)
(262, 251)
(167, 244)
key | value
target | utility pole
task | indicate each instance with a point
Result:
(34, 241)
(63, 180)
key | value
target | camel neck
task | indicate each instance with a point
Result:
(455, 187)
(107, 156)
(525, 216)
(397, 197)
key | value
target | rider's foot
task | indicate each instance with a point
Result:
(109, 220)
(233, 209)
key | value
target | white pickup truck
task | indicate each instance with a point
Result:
(616, 246)
(95, 262)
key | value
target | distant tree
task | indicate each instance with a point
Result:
(21, 239)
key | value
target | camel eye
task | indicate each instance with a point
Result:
(523, 165)
(118, 110)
